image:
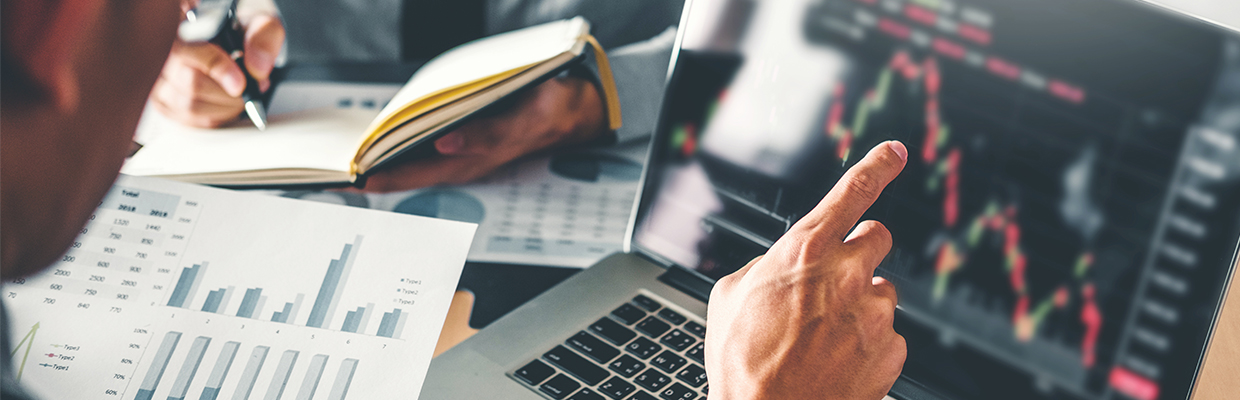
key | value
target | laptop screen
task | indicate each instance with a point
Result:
(1069, 214)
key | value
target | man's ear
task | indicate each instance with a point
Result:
(44, 39)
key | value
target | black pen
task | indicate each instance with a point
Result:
(216, 21)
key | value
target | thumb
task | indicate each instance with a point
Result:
(264, 37)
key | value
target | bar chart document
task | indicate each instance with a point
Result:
(177, 291)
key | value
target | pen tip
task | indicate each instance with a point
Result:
(257, 113)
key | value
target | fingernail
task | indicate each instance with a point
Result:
(263, 85)
(898, 147)
(233, 83)
(450, 144)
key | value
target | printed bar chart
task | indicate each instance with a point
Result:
(187, 284)
(222, 365)
(183, 292)
(290, 310)
(250, 375)
(283, 370)
(213, 301)
(392, 323)
(317, 364)
(249, 303)
(190, 368)
(333, 286)
(147, 389)
(344, 378)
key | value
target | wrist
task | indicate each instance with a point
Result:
(589, 110)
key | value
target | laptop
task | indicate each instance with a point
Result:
(1065, 227)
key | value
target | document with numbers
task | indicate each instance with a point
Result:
(177, 291)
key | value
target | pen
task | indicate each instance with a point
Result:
(215, 21)
(232, 40)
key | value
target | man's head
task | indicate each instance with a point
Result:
(76, 74)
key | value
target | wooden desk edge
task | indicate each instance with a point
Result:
(1220, 372)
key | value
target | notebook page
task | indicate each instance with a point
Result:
(486, 57)
(322, 139)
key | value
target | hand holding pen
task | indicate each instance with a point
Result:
(201, 85)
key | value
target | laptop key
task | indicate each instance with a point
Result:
(534, 373)
(611, 330)
(587, 394)
(696, 329)
(643, 348)
(616, 388)
(668, 361)
(678, 392)
(640, 395)
(653, 326)
(697, 353)
(647, 303)
(652, 380)
(576, 365)
(559, 387)
(627, 366)
(678, 340)
(671, 316)
(693, 375)
(592, 347)
(628, 314)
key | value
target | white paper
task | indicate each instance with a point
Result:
(93, 325)
(529, 212)
(324, 139)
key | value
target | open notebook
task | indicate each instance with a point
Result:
(339, 146)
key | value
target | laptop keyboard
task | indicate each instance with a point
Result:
(641, 351)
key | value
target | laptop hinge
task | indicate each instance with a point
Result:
(687, 282)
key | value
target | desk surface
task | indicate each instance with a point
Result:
(1221, 370)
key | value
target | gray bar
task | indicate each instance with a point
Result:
(147, 389)
(213, 300)
(189, 368)
(292, 315)
(183, 284)
(386, 325)
(224, 301)
(344, 378)
(250, 374)
(364, 318)
(350, 321)
(222, 365)
(282, 315)
(193, 288)
(400, 325)
(311, 383)
(280, 379)
(258, 308)
(248, 302)
(347, 259)
(325, 293)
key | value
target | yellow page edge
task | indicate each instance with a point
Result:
(417, 107)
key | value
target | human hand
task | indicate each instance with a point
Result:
(809, 320)
(201, 86)
(558, 112)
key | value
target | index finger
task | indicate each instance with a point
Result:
(855, 192)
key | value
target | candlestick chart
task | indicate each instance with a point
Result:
(980, 233)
